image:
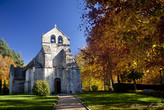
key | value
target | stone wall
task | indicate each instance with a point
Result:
(53, 61)
(16, 82)
(56, 32)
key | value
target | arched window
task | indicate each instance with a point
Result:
(60, 40)
(53, 39)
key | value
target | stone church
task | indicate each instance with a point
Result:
(54, 64)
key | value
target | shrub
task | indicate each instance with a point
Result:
(110, 89)
(119, 87)
(41, 88)
(94, 88)
(5, 88)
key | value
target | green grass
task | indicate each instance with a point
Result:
(27, 102)
(107, 101)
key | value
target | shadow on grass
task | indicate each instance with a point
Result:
(25, 102)
(109, 100)
(28, 108)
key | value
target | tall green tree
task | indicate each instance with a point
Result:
(17, 59)
(4, 49)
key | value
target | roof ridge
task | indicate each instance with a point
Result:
(61, 31)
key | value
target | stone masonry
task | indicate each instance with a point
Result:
(54, 64)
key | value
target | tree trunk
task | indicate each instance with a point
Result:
(105, 84)
(111, 84)
(118, 78)
(135, 87)
(160, 77)
(108, 85)
(89, 82)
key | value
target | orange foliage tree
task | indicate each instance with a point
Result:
(5, 64)
(124, 35)
(89, 73)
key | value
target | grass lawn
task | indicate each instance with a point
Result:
(107, 101)
(27, 102)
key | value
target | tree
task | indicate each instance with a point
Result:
(5, 67)
(6, 59)
(17, 59)
(134, 75)
(124, 33)
(4, 49)
(89, 73)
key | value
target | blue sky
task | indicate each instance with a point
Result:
(22, 23)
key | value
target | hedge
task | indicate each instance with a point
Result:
(120, 87)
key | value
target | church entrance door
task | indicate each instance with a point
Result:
(57, 85)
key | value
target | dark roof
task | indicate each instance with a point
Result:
(33, 63)
(30, 64)
(19, 74)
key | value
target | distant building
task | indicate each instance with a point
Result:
(54, 64)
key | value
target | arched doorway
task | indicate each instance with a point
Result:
(57, 85)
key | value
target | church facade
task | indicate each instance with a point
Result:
(54, 64)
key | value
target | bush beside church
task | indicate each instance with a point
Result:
(41, 88)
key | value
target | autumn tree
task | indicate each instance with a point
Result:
(122, 34)
(89, 73)
(1, 66)
(5, 64)
(8, 58)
